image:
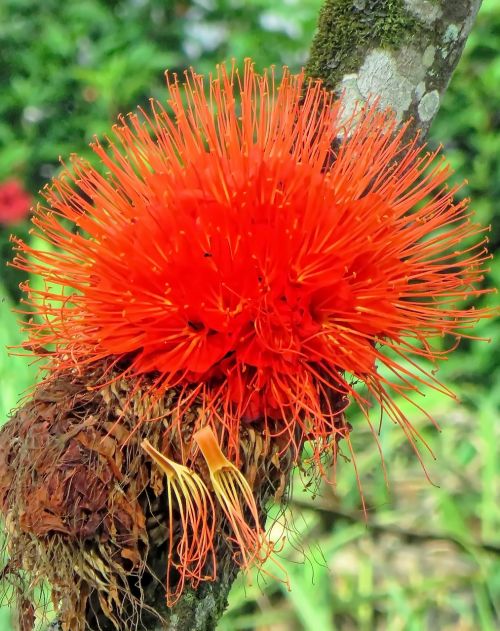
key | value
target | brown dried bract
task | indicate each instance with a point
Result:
(86, 509)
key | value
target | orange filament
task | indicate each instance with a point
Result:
(192, 500)
(237, 501)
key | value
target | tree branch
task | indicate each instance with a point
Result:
(403, 52)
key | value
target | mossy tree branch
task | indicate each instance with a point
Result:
(401, 51)
(404, 52)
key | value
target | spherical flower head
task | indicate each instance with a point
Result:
(253, 245)
(14, 202)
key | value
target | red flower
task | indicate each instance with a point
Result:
(224, 246)
(14, 202)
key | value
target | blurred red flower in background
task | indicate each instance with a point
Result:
(15, 202)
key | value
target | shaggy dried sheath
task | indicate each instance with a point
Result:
(88, 511)
(245, 258)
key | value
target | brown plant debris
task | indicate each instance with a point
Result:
(90, 513)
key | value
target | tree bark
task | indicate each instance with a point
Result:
(197, 610)
(403, 52)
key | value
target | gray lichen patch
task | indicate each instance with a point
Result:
(428, 106)
(451, 33)
(428, 56)
(426, 11)
(420, 90)
(379, 76)
(450, 36)
(351, 96)
(397, 81)
(413, 63)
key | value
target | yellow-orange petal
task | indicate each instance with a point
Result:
(195, 548)
(236, 499)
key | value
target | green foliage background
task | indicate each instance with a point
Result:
(428, 556)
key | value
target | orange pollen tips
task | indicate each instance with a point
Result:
(189, 496)
(238, 503)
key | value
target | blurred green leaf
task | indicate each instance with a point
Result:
(16, 374)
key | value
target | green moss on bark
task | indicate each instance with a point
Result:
(343, 22)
